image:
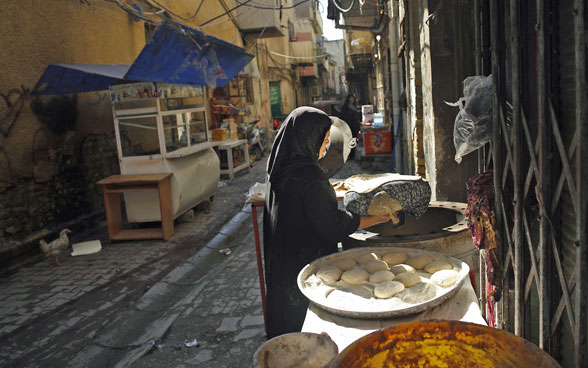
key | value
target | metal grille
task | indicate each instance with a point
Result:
(540, 164)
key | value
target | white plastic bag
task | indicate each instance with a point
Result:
(473, 123)
(256, 192)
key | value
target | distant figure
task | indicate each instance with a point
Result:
(350, 115)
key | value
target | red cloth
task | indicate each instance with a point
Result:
(481, 221)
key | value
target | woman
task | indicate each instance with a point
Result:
(350, 115)
(301, 220)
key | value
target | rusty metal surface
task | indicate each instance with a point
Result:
(357, 311)
(442, 344)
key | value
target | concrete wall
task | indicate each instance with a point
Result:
(447, 59)
(439, 55)
(54, 148)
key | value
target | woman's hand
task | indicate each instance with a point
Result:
(367, 221)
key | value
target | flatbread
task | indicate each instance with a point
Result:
(438, 266)
(400, 268)
(381, 276)
(375, 266)
(388, 289)
(383, 204)
(355, 276)
(329, 274)
(445, 278)
(366, 258)
(408, 279)
(419, 262)
(394, 258)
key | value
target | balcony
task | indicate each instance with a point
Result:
(310, 11)
(261, 23)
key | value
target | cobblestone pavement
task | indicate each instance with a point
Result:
(142, 303)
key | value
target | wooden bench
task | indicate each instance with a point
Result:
(115, 185)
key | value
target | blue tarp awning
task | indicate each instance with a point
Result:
(68, 78)
(175, 54)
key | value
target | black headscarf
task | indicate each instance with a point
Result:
(298, 141)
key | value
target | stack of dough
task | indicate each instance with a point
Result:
(386, 275)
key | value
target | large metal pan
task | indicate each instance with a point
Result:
(442, 344)
(379, 309)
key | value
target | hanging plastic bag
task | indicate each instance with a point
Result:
(473, 123)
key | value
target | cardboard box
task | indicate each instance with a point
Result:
(367, 109)
(377, 141)
(231, 127)
(219, 134)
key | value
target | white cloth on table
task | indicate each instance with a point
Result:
(463, 306)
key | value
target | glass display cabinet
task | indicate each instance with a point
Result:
(163, 128)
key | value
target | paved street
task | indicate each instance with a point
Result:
(179, 303)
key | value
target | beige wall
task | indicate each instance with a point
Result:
(39, 33)
(56, 166)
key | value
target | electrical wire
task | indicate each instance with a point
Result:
(297, 57)
(257, 6)
(175, 14)
(131, 11)
(225, 13)
(341, 9)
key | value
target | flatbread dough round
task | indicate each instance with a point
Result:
(355, 276)
(394, 258)
(388, 289)
(419, 262)
(400, 268)
(357, 295)
(329, 274)
(438, 266)
(375, 266)
(381, 276)
(345, 264)
(383, 204)
(445, 278)
(366, 258)
(423, 274)
(419, 293)
(408, 279)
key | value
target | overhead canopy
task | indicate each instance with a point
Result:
(175, 54)
(68, 78)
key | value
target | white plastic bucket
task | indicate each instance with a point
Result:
(299, 349)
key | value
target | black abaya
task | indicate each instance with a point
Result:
(301, 221)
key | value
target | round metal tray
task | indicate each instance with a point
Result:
(380, 309)
(442, 344)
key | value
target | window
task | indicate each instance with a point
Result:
(139, 136)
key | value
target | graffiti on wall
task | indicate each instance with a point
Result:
(11, 108)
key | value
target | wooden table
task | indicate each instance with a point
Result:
(228, 147)
(115, 185)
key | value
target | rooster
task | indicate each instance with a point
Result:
(55, 247)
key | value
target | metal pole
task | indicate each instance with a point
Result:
(581, 103)
(496, 131)
(259, 258)
(544, 182)
(516, 172)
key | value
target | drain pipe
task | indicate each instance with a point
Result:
(395, 81)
